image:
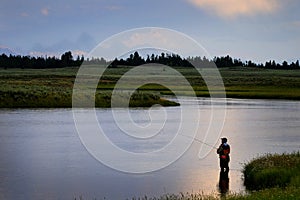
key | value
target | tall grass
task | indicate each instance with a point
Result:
(273, 171)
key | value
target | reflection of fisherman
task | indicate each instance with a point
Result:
(223, 151)
(223, 182)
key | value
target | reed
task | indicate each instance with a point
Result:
(271, 171)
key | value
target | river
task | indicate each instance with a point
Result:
(42, 156)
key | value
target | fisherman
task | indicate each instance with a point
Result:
(223, 151)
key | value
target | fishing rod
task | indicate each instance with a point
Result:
(200, 141)
(197, 140)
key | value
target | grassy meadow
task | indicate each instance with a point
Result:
(53, 87)
(44, 88)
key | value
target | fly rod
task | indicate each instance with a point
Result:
(200, 141)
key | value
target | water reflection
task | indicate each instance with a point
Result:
(223, 182)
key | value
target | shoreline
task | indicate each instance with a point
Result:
(162, 101)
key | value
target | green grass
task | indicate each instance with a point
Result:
(273, 171)
(44, 88)
(261, 83)
(44, 97)
(53, 87)
(274, 177)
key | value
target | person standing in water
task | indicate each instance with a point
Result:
(223, 151)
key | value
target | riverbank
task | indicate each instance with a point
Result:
(272, 177)
(34, 88)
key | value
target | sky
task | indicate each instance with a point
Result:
(257, 30)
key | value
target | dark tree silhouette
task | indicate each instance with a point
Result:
(67, 60)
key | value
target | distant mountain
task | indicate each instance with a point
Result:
(7, 51)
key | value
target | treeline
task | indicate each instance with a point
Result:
(166, 59)
(174, 60)
(227, 61)
(17, 61)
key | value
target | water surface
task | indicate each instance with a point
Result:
(42, 157)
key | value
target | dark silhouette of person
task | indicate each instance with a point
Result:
(223, 151)
(223, 183)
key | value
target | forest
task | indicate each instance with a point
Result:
(134, 59)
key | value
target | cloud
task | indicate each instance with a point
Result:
(75, 53)
(140, 39)
(147, 40)
(44, 54)
(24, 14)
(45, 11)
(234, 8)
(79, 53)
(80, 46)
